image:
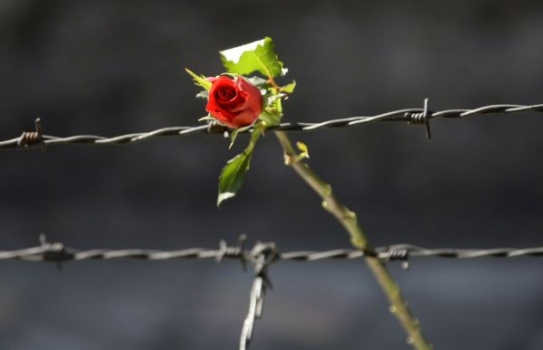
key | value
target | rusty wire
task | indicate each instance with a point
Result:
(34, 139)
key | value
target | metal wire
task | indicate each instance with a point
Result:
(36, 139)
(265, 254)
(261, 257)
(402, 252)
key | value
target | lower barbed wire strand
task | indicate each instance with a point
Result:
(393, 252)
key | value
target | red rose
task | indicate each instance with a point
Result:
(234, 102)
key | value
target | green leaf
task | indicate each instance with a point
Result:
(303, 149)
(233, 173)
(270, 116)
(260, 83)
(232, 176)
(257, 56)
(200, 80)
(289, 88)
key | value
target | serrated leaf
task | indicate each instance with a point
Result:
(199, 80)
(232, 176)
(289, 88)
(258, 82)
(258, 56)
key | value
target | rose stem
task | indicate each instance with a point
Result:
(347, 218)
(273, 84)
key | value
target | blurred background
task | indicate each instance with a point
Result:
(113, 67)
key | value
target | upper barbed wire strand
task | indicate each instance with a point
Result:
(410, 115)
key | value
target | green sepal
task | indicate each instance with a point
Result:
(273, 110)
(204, 94)
(234, 134)
(258, 56)
(270, 116)
(206, 118)
(200, 80)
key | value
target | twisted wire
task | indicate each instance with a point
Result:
(30, 140)
(57, 252)
(261, 256)
(264, 254)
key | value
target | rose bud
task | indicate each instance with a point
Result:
(234, 102)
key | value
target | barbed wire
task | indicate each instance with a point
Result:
(261, 256)
(58, 252)
(36, 139)
(265, 254)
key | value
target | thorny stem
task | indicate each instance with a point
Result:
(398, 306)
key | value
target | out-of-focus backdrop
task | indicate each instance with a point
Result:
(112, 67)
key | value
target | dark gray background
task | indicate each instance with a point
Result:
(112, 67)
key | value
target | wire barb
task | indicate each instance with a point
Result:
(53, 251)
(263, 255)
(32, 137)
(421, 118)
(395, 254)
(399, 252)
(409, 115)
(234, 252)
